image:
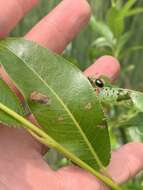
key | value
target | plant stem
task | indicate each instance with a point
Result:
(113, 3)
(43, 137)
(124, 137)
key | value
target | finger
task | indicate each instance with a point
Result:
(126, 162)
(106, 65)
(59, 27)
(11, 11)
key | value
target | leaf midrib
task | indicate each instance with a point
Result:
(65, 107)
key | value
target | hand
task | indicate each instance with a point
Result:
(21, 163)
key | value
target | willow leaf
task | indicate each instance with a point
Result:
(135, 120)
(8, 98)
(71, 114)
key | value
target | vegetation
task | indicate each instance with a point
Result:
(112, 27)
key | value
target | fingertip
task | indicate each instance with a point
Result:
(61, 25)
(11, 12)
(105, 65)
(128, 156)
(85, 10)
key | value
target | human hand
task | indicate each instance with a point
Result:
(21, 163)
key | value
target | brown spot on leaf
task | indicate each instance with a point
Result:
(60, 118)
(88, 106)
(38, 97)
(101, 126)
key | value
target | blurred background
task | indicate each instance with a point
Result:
(115, 28)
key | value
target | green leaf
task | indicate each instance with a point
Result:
(115, 17)
(135, 48)
(137, 98)
(72, 116)
(98, 52)
(101, 42)
(121, 43)
(119, 4)
(130, 50)
(8, 98)
(115, 21)
(134, 121)
(126, 8)
(134, 11)
(103, 29)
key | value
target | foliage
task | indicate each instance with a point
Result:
(58, 110)
(66, 107)
(113, 35)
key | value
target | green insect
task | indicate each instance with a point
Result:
(107, 93)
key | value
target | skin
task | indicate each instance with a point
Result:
(21, 163)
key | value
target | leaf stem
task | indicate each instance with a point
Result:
(43, 137)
